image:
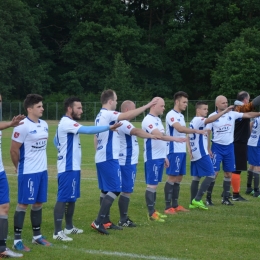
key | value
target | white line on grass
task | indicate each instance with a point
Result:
(119, 254)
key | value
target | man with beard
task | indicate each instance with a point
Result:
(67, 142)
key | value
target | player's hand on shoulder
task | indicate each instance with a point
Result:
(17, 120)
(228, 109)
(115, 126)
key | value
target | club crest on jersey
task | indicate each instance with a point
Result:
(229, 118)
(129, 126)
(150, 126)
(76, 124)
(16, 135)
(172, 119)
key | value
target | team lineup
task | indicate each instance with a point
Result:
(234, 137)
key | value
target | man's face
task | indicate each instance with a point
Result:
(182, 103)
(36, 110)
(76, 110)
(203, 110)
(222, 103)
(246, 100)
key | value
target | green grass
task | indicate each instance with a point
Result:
(222, 232)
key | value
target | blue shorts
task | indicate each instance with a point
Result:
(224, 154)
(253, 155)
(32, 188)
(109, 176)
(128, 174)
(177, 164)
(202, 167)
(68, 186)
(4, 189)
(153, 171)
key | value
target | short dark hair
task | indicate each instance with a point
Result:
(69, 102)
(200, 103)
(106, 95)
(31, 100)
(242, 95)
(179, 95)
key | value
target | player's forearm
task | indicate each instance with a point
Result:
(15, 156)
(186, 130)
(251, 114)
(4, 125)
(132, 113)
(140, 133)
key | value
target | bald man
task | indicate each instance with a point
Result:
(128, 159)
(222, 149)
(155, 156)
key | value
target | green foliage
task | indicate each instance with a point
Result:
(71, 47)
(24, 67)
(238, 66)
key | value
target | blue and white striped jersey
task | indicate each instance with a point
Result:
(33, 137)
(108, 143)
(254, 139)
(153, 149)
(198, 142)
(173, 117)
(223, 128)
(68, 145)
(129, 148)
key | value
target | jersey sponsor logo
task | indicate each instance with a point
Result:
(150, 126)
(16, 135)
(172, 119)
(224, 128)
(129, 126)
(76, 124)
(33, 132)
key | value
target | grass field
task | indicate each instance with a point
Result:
(222, 232)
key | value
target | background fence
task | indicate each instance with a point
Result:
(54, 110)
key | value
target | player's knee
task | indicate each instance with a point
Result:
(117, 193)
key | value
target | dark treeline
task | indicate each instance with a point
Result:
(139, 48)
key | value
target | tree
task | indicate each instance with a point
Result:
(238, 66)
(24, 65)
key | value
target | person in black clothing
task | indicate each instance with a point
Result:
(241, 135)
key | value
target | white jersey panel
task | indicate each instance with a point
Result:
(129, 148)
(108, 142)
(223, 128)
(172, 118)
(153, 149)
(33, 137)
(254, 139)
(198, 142)
(69, 147)
(1, 160)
